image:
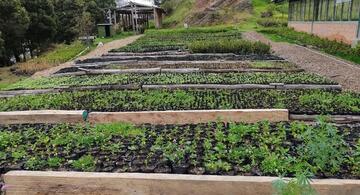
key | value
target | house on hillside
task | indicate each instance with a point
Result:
(333, 19)
(135, 14)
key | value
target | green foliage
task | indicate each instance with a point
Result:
(42, 27)
(272, 22)
(139, 100)
(299, 186)
(85, 163)
(279, 149)
(14, 22)
(118, 129)
(54, 162)
(324, 149)
(172, 78)
(229, 46)
(336, 48)
(178, 39)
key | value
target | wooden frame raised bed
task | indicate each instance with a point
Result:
(24, 182)
(191, 116)
(151, 117)
(42, 116)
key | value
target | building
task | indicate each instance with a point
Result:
(135, 14)
(333, 19)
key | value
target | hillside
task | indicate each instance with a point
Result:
(214, 12)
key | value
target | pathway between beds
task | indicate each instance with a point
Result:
(345, 73)
(95, 53)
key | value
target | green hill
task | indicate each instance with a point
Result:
(215, 12)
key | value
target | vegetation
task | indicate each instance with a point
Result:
(242, 47)
(178, 39)
(335, 48)
(297, 101)
(172, 78)
(33, 25)
(214, 148)
(59, 54)
(207, 65)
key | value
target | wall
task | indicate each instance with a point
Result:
(341, 31)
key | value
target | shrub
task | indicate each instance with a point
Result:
(85, 163)
(229, 46)
(332, 47)
(272, 22)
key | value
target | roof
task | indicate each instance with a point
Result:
(141, 3)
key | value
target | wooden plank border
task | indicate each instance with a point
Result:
(26, 182)
(42, 116)
(333, 118)
(191, 116)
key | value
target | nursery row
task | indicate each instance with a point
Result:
(297, 101)
(172, 78)
(226, 40)
(260, 149)
(229, 46)
(202, 65)
(177, 39)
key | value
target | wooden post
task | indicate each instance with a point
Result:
(158, 18)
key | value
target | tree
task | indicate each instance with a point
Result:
(42, 26)
(2, 49)
(68, 14)
(14, 22)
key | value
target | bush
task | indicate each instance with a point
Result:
(272, 22)
(332, 47)
(229, 46)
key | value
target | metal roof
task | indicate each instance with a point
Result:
(142, 3)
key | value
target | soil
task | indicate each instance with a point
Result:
(343, 72)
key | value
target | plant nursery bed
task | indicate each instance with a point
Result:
(189, 57)
(133, 64)
(168, 77)
(24, 182)
(296, 101)
(258, 149)
(90, 71)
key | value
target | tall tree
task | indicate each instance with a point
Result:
(2, 49)
(68, 13)
(42, 26)
(14, 22)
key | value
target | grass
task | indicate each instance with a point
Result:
(8, 78)
(57, 54)
(180, 11)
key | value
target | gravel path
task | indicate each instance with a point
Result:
(95, 53)
(345, 73)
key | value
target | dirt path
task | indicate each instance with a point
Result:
(95, 53)
(345, 73)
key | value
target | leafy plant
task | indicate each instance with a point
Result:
(323, 148)
(85, 163)
(298, 186)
